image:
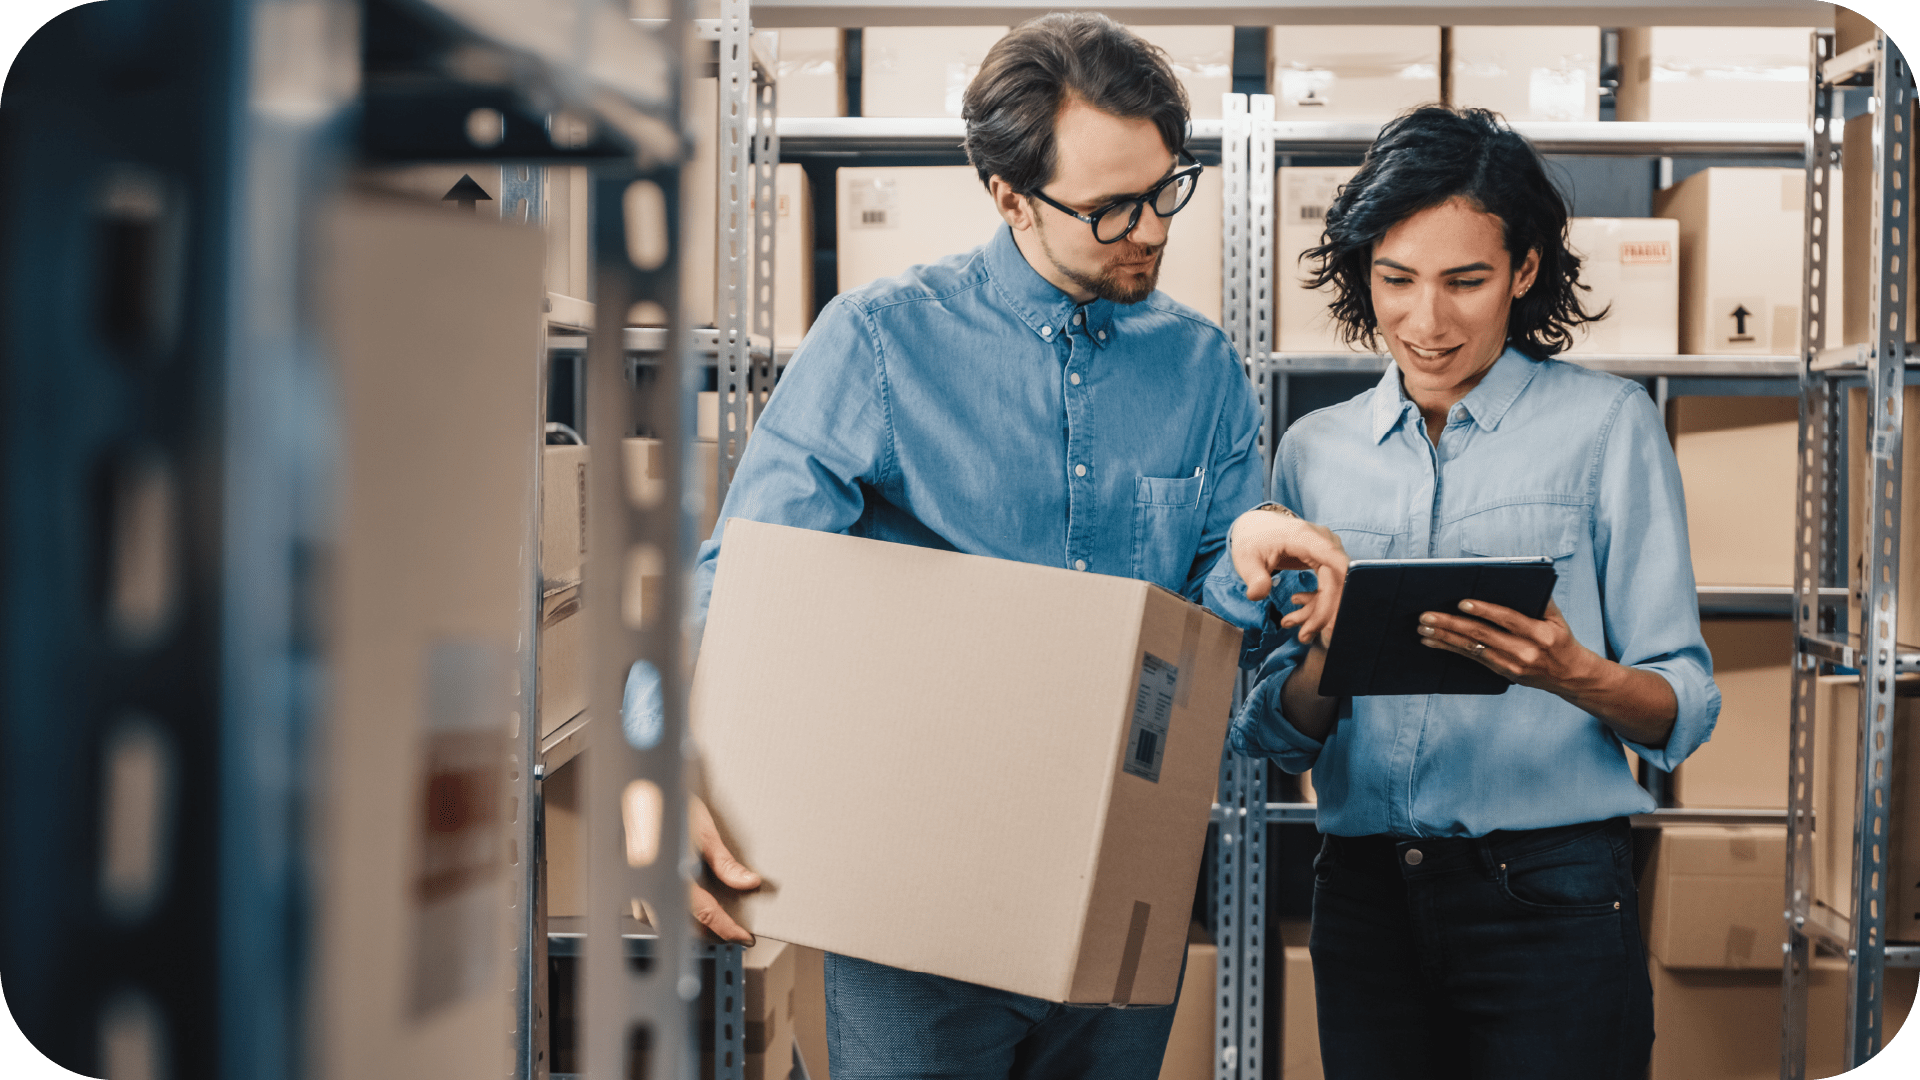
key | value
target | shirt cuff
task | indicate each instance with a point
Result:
(1693, 723)
(1261, 729)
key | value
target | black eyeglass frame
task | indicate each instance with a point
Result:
(1144, 199)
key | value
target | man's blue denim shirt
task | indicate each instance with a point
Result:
(1541, 458)
(970, 405)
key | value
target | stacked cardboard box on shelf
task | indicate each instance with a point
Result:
(1711, 898)
(1202, 59)
(1527, 72)
(1301, 197)
(810, 71)
(1736, 458)
(1713, 73)
(1354, 73)
(563, 687)
(1190, 1045)
(1744, 765)
(1836, 802)
(892, 218)
(1855, 231)
(1299, 1020)
(1631, 267)
(920, 70)
(1861, 464)
(806, 681)
(1742, 234)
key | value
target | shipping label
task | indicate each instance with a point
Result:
(1152, 714)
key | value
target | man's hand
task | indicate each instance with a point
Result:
(729, 870)
(1265, 543)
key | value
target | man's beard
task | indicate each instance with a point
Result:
(1119, 286)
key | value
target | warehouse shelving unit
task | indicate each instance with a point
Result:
(1824, 636)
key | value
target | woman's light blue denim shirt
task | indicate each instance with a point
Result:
(1541, 458)
(970, 405)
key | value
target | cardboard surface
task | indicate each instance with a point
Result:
(1736, 458)
(1836, 786)
(920, 70)
(430, 316)
(1681, 73)
(1528, 72)
(810, 71)
(792, 254)
(1855, 229)
(1632, 268)
(974, 699)
(563, 514)
(1352, 72)
(1742, 231)
(1190, 1050)
(563, 690)
(1711, 896)
(810, 1011)
(1859, 451)
(1726, 1024)
(565, 838)
(1744, 764)
(1302, 195)
(1202, 59)
(569, 253)
(1299, 1020)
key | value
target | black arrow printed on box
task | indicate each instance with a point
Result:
(468, 193)
(1740, 317)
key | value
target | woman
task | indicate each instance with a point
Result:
(1474, 910)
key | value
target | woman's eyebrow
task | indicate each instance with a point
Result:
(1469, 268)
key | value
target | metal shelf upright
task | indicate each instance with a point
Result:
(1818, 565)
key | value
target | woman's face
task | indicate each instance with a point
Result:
(1442, 286)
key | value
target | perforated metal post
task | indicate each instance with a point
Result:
(1229, 913)
(1259, 229)
(1813, 563)
(1235, 130)
(1893, 93)
(735, 248)
(766, 201)
(727, 1027)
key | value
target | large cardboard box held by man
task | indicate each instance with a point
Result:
(988, 770)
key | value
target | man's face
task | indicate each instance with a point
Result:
(1099, 158)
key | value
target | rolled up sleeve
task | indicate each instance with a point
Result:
(1651, 609)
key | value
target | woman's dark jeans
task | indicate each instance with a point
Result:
(1512, 955)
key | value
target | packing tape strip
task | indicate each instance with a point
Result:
(1130, 956)
(1189, 647)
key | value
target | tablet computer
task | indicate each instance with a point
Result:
(1377, 648)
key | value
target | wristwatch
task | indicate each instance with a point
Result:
(1277, 508)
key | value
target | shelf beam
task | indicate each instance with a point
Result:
(1630, 366)
(769, 14)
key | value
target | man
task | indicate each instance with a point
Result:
(1033, 399)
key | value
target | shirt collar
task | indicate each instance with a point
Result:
(1038, 302)
(1486, 403)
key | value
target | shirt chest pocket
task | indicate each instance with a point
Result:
(1167, 520)
(1523, 530)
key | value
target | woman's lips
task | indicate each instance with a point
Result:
(1419, 353)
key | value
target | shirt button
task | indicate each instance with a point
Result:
(1079, 564)
(1078, 318)
(1102, 335)
(1046, 331)
(1079, 470)
(1074, 378)
(1414, 856)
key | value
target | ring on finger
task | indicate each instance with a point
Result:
(1479, 647)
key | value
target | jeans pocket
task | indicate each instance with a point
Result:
(1580, 877)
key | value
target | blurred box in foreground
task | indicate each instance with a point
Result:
(1045, 718)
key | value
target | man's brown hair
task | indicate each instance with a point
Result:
(1011, 105)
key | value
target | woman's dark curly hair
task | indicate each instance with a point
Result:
(1422, 159)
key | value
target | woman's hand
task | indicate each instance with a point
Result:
(1543, 654)
(1265, 543)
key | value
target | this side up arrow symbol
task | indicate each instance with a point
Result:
(1740, 317)
(467, 193)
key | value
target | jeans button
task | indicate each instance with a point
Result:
(1414, 856)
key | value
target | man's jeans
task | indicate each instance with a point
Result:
(887, 1024)
(1513, 955)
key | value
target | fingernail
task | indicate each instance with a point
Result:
(1466, 605)
(1428, 619)
(1427, 630)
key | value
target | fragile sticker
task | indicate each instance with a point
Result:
(1152, 714)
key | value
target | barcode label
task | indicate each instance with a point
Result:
(873, 217)
(1152, 714)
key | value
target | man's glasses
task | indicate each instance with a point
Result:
(1113, 222)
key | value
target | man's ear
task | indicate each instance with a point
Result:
(1014, 207)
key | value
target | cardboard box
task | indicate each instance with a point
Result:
(793, 230)
(792, 255)
(810, 1011)
(563, 514)
(1301, 198)
(563, 689)
(1528, 72)
(1044, 752)
(1906, 628)
(1726, 1024)
(811, 71)
(891, 218)
(920, 70)
(1364, 73)
(1190, 1052)
(769, 967)
(1202, 59)
(1713, 73)
(569, 248)
(644, 478)
(1744, 764)
(1742, 239)
(1711, 895)
(1836, 786)
(1850, 29)
(1853, 234)
(1736, 458)
(1299, 1019)
(1632, 268)
(564, 840)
